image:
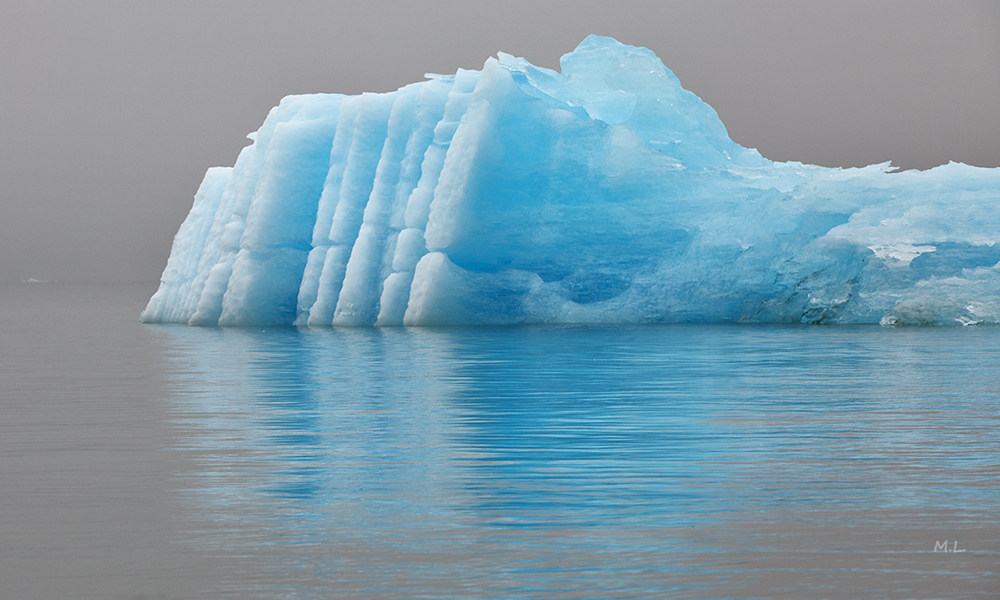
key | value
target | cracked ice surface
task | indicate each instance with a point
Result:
(604, 193)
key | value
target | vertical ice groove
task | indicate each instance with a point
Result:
(166, 303)
(418, 205)
(371, 126)
(433, 270)
(444, 212)
(358, 301)
(267, 272)
(212, 248)
(396, 289)
(431, 102)
(340, 149)
(209, 305)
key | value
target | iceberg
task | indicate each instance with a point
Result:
(602, 193)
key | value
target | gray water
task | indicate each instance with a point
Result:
(706, 461)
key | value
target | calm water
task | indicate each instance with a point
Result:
(156, 462)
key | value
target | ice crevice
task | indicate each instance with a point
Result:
(601, 193)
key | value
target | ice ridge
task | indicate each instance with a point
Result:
(603, 193)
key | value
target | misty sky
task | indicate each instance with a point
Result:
(111, 111)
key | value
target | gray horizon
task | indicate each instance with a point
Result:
(111, 112)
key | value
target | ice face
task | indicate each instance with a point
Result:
(604, 193)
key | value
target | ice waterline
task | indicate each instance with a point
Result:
(604, 193)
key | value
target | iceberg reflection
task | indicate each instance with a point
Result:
(679, 461)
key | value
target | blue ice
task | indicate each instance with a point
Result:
(604, 193)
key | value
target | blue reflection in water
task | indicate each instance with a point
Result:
(678, 461)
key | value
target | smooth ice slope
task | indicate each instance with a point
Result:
(605, 193)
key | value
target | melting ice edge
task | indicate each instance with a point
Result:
(604, 193)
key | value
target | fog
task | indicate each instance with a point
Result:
(110, 112)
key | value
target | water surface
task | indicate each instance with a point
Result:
(533, 462)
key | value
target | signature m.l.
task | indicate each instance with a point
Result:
(943, 547)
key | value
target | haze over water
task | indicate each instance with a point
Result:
(700, 461)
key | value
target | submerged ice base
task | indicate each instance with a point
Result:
(604, 193)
